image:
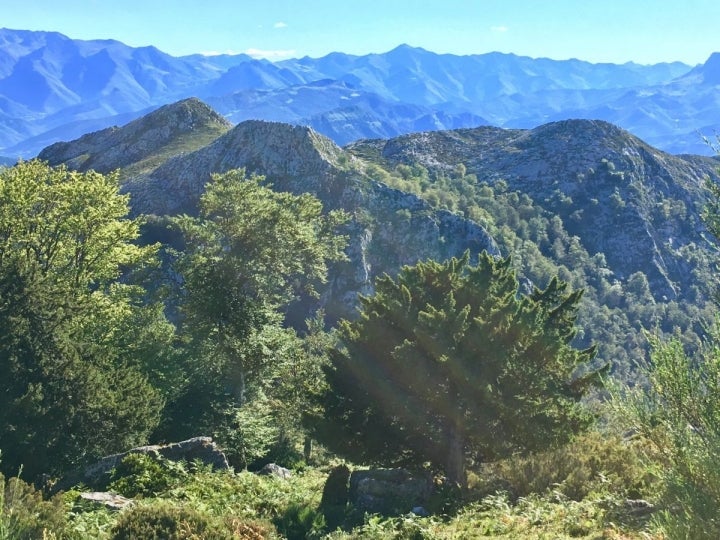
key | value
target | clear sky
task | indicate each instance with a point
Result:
(644, 31)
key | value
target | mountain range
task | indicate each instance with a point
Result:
(582, 199)
(54, 88)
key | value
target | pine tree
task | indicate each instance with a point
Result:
(450, 362)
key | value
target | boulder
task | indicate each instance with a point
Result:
(110, 500)
(273, 469)
(389, 491)
(202, 449)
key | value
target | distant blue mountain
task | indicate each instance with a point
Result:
(53, 87)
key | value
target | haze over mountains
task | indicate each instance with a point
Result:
(54, 88)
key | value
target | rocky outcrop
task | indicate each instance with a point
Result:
(202, 449)
(275, 470)
(389, 491)
(109, 500)
(387, 229)
(180, 127)
(633, 203)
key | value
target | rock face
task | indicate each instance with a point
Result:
(618, 195)
(388, 491)
(197, 448)
(172, 129)
(387, 228)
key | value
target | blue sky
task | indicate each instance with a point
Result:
(644, 31)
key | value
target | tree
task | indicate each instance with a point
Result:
(69, 391)
(450, 362)
(677, 415)
(250, 252)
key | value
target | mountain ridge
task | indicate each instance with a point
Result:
(387, 229)
(93, 84)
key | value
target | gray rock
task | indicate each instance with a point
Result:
(202, 449)
(110, 500)
(639, 507)
(272, 469)
(389, 491)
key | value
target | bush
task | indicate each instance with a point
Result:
(140, 474)
(678, 414)
(164, 521)
(244, 530)
(594, 462)
(25, 515)
(299, 521)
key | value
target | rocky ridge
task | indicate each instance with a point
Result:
(621, 197)
(388, 228)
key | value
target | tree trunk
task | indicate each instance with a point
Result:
(455, 464)
(238, 388)
(307, 449)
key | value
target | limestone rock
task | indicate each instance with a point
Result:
(197, 448)
(389, 491)
(110, 500)
(273, 469)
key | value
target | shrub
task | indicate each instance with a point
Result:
(25, 515)
(594, 462)
(678, 413)
(140, 474)
(244, 530)
(299, 521)
(164, 521)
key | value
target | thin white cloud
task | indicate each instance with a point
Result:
(499, 28)
(270, 54)
(280, 24)
(218, 53)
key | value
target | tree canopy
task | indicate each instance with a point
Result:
(450, 362)
(248, 254)
(68, 390)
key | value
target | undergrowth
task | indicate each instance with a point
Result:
(580, 491)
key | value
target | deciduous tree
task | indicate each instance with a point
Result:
(249, 253)
(68, 390)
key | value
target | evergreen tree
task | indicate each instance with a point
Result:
(69, 391)
(450, 362)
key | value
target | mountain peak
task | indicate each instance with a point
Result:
(182, 126)
(710, 70)
(282, 152)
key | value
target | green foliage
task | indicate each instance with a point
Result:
(299, 522)
(143, 475)
(250, 252)
(678, 413)
(593, 463)
(71, 390)
(249, 432)
(409, 527)
(24, 515)
(164, 521)
(546, 235)
(451, 362)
